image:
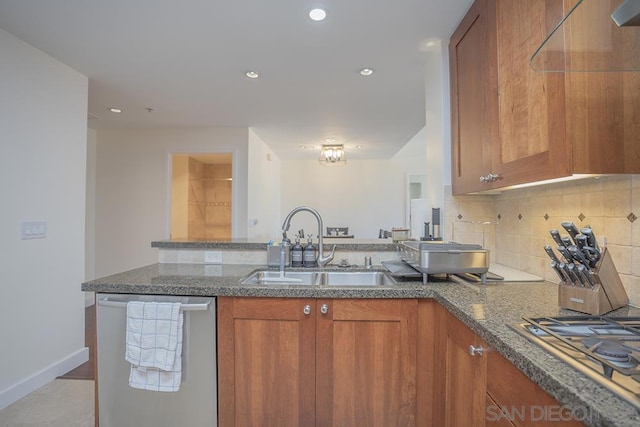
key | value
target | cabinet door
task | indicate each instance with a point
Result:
(474, 97)
(532, 144)
(465, 376)
(525, 402)
(366, 362)
(266, 362)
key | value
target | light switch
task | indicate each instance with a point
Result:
(34, 230)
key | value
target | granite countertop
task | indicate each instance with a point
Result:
(488, 310)
(384, 245)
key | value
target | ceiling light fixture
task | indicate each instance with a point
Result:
(252, 74)
(115, 110)
(333, 155)
(366, 72)
(330, 140)
(317, 14)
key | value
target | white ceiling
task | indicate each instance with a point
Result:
(186, 60)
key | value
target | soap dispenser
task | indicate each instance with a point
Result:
(297, 254)
(309, 254)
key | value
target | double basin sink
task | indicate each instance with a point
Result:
(319, 278)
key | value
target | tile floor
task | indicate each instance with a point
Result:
(61, 403)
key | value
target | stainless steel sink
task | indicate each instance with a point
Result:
(356, 278)
(264, 277)
(320, 278)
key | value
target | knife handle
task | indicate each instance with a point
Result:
(571, 229)
(554, 266)
(551, 254)
(565, 253)
(556, 237)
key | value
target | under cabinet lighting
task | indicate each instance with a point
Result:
(115, 110)
(366, 72)
(252, 74)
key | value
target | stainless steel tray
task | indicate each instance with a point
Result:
(445, 258)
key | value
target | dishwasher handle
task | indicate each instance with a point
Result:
(185, 307)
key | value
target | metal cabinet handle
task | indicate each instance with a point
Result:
(307, 309)
(492, 177)
(476, 350)
(324, 308)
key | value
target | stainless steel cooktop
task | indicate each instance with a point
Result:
(607, 349)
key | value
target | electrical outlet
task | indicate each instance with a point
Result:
(213, 257)
(33, 230)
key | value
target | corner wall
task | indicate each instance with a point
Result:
(133, 189)
(43, 117)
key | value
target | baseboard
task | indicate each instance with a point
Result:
(45, 376)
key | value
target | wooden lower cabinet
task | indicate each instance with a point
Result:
(324, 362)
(484, 388)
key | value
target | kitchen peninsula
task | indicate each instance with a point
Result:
(485, 312)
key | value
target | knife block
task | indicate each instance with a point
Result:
(608, 293)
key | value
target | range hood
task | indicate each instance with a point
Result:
(593, 35)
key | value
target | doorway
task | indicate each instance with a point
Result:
(201, 188)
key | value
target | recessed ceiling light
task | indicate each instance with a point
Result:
(317, 14)
(252, 74)
(115, 110)
(358, 146)
(302, 147)
(366, 72)
(330, 140)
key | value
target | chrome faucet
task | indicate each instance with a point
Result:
(322, 260)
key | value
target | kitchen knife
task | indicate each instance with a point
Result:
(551, 254)
(571, 229)
(565, 253)
(567, 272)
(556, 237)
(573, 271)
(566, 241)
(559, 272)
(591, 238)
(592, 254)
(581, 241)
(578, 255)
(582, 270)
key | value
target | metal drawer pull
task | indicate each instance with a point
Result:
(476, 350)
(324, 309)
(307, 309)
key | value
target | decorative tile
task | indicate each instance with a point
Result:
(459, 216)
(631, 217)
(546, 217)
(519, 216)
(581, 216)
(499, 216)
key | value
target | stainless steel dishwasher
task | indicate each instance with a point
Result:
(195, 404)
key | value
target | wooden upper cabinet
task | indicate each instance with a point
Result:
(532, 144)
(474, 107)
(546, 124)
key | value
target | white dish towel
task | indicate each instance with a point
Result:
(154, 345)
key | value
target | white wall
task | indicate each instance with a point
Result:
(264, 216)
(133, 189)
(364, 195)
(43, 117)
(438, 134)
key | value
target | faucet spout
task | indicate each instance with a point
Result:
(322, 259)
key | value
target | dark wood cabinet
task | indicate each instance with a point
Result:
(318, 362)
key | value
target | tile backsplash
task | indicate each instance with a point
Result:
(515, 224)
